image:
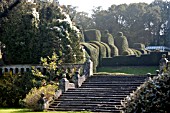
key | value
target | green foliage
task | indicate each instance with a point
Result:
(121, 43)
(93, 53)
(138, 46)
(59, 33)
(19, 35)
(51, 64)
(114, 50)
(134, 20)
(28, 34)
(92, 35)
(152, 96)
(136, 52)
(31, 100)
(15, 87)
(107, 38)
(108, 50)
(102, 49)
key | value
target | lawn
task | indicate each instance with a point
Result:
(137, 70)
(13, 110)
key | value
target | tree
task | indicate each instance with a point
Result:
(19, 34)
(29, 35)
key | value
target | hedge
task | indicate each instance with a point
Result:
(108, 50)
(107, 38)
(139, 46)
(93, 53)
(121, 43)
(114, 50)
(92, 35)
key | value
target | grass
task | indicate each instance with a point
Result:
(13, 110)
(136, 70)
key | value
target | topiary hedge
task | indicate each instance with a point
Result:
(92, 35)
(93, 53)
(114, 50)
(151, 97)
(121, 43)
(102, 49)
(107, 38)
(108, 50)
(140, 47)
(136, 52)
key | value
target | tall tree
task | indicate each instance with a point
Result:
(29, 35)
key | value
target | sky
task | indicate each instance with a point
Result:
(88, 5)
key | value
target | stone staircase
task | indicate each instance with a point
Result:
(99, 93)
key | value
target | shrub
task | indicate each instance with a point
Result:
(31, 100)
(92, 35)
(107, 38)
(121, 43)
(102, 49)
(15, 87)
(136, 52)
(108, 50)
(139, 46)
(93, 53)
(151, 97)
(114, 50)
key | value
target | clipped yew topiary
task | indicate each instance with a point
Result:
(92, 35)
(102, 50)
(151, 97)
(114, 50)
(140, 47)
(121, 43)
(108, 39)
(93, 53)
(108, 50)
(136, 52)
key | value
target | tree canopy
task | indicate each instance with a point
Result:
(31, 31)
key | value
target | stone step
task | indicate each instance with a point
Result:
(112, 82)
(91, 99)
(109, 90)
(92, 104)
(85, 109)
(92, 96)
(98, 94)
(110, 86)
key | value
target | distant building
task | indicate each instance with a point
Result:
(158, 48)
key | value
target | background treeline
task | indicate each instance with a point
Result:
(140, 22)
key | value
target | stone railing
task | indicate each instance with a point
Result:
(20, 68)
(27, 67)
(64, 84)
(78, 79)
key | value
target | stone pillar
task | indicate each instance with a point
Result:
(76, 78)
(64, 83)
(90, 67)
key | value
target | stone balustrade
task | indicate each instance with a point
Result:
(19, 68)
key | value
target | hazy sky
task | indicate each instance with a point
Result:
(88, 5)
